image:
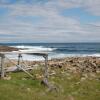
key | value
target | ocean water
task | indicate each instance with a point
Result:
(57, 50)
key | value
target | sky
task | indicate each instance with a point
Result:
(37, 21)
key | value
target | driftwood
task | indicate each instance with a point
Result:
(15, 69)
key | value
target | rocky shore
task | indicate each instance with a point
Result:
(80, 65)
(72, 64)
(77, 64)
(7, 49)
(85, 67)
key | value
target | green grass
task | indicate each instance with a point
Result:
(20, 87)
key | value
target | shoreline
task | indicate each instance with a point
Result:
(77, 64)
(7, 49)
(82, 67)
(73, 64)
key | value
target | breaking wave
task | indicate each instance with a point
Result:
(35, 48)
(60, 50)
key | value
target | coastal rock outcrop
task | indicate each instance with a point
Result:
(7, 49)
(77, 64)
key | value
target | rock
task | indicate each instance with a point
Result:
(7, 49)
(97, 71)
(92, 75)
(82, 79)
(39, 76)
(85, 75)
(52, 73)
(28, 89)
(71, 61)
(77, 83)
(70, 97)
(7, 78)
(24, 79)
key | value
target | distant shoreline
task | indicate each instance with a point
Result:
(56, 51)
(7, 49)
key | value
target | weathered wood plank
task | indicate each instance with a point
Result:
(2, 66)
(44, 54)
(26, 52)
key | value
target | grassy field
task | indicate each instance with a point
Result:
(69, 85)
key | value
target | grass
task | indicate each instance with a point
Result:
(20, 87)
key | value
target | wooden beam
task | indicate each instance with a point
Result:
(2, 65)
(26, 52)
(46, 66)
(25, 71)
(45, 80)
(44, 54)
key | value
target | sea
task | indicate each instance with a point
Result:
(57, 50)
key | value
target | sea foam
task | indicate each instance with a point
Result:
(35, 48)
(58, 51)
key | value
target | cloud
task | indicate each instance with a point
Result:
(91, 6)
(52, 26)
(38, 7)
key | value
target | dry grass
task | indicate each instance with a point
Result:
(70, 87)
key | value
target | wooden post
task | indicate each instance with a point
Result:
(19, 58)
(45, 80)
(2, 66)
(46, 66)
